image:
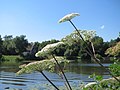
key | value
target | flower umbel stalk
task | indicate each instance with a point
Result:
(89, 51)
(62, 72)
(92, 53)
(49, 80)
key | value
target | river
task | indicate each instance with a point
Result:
(76, 73)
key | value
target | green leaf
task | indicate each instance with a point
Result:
(99, 78)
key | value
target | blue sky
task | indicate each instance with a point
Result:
(38, 19)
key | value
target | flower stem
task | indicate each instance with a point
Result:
(92, 53)
(49, 80)
(81, 37)
(62, 72)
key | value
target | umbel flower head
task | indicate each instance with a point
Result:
(48, 48)
(68, 17)
(49, 65)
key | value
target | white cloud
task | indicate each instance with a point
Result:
(102, 27)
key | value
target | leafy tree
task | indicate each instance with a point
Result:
(8, 37)
(82, 52)
(8, 45)
(34, 47)
(76, 45)
(72, 51)
(60, 50)
(99, 45)
(113, 42)
(20, 43)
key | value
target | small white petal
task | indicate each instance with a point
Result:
(68, 17)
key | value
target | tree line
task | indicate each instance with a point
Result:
(73, 48)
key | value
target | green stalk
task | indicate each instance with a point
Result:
(62, 72)
(91, 53)
(49, 80)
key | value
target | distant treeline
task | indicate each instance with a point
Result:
(19, 45)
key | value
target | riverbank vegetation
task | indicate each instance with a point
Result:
(73, 49)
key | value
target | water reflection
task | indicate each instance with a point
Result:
(86, 68)
(75, 72)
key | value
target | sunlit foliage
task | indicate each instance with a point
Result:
(115, 50)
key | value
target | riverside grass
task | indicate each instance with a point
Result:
(12, 58)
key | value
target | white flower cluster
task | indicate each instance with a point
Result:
(48, 64)
(68, 17)
(37, 66)
(48, 47)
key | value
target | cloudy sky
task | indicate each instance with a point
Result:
(38, 19)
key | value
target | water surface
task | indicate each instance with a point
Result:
(76, 73)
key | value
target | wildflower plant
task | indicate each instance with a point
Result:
(48, 49)
(51, 64)
(91, 53)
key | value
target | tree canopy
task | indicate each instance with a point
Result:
(74, 47)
